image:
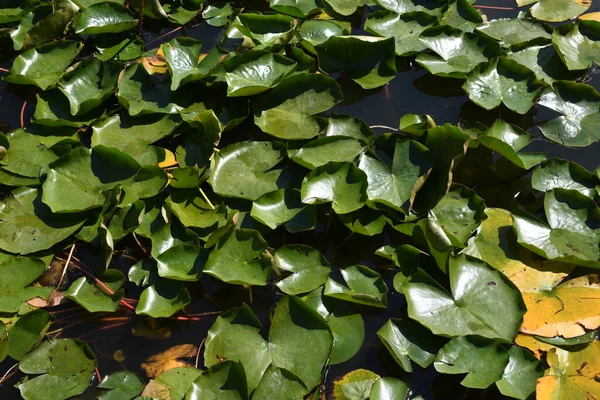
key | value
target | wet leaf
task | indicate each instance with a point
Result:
(163, 298)
(64, 366)
(94, 297)
(27, 333)
(365, 286)
(388, 388)
(104, 17)
(123, 386)
(355, 385)
(295, 8)
(284, 207)
(483, 301)
(564, 310)
(511, 31)
(308, 268)
(556, 10)
(223, 381)
(168, 359)
(334, 148)
(556, 173)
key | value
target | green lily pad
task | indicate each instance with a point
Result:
(578, 44)
(148, 182)
(289, 110)
(458, 214)
(556, 173)
(365, 286)
(163, 298)
(226, 380)
(89, 84)
(345, 7)
(520, 375)
(508, 140)
(313, 32)
(503, 81)
(342, 184)
(235, 335)
(193, 211)
(461, 15)
(104, 17)
(82, 179)
(44, 65)
(394, 179)
(579, 125)
(346, 125)
(355, 385)
(135, 135)
(118, 47)
(65, 368)
(254, 72)
(545, 63)
(405, 29)
(121, 385)
(18, 273)
(329, 148)
(555, 10)
(217, 14)
(234, 259)
(483, 302)
(366, 221)
(456, 61)
(295, 8)
(182, 263)
(185, 62)
(388, 388)
(433, 7)
(266, 29)
(511, 31)
(27, 333)
(177, 381)
(407, 340)
(368, 60)
(572, 233)
(308, 267)
(280, 384)
(35, 29)
(284, 207)
(237, 174)
(27, 225)
(170, 235)
(95, 298)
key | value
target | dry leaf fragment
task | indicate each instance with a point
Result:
(169, 359)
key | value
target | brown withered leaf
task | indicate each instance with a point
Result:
(169, 359)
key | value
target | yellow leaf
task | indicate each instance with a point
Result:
(568, 310)
(156, 390)
(355, 385)
(593, 16)
(537, 347)
(496, 244)
(573, 375)
(119, 356)
(161, 362)
(155, 64)
(169, 159)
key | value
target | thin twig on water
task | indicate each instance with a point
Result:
(64, 271)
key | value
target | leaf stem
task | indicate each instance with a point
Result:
(198, 352)
(494, 7)
(384, 127)
(206, 198)
(8, 374)
(98, 376)
(64, 271)
(3, 70)
(23, 113)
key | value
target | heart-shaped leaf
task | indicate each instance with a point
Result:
(556, 173)
(284, 207)
(93, 296)
(104, 17)
(308, 267)
(365, 286)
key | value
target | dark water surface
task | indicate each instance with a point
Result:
(414, 91)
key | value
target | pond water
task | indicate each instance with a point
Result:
(413, 91)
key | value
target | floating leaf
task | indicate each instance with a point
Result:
(223, 381)
(368, 60)
(342, 184)
(217, 14)
(508, 140)
(571, 234)
(267, 29)
(458, 214)
(433, 7)
(572, 374)
(82, 179)
(455, 61)
(104, 17)
(545, 63)
(366, 221)
(555, 10)
(308, 267)
(182, 263)
(355, 385)
(503, 81)
(577, 44)
(563, 310)
(388, 388)
(580, 121)
(254, 72)
(345, 7)
(346, 125)
(192, 209)
(284, 207)
(44, 65)
(289, 110)
(556, 173)
(407, 340)
(460, 14)
(158, 363)
(95, 297)
(326, 149)
(27, 225)
(365, 286)
(65, 367)
(123, 386)
(394, 179)
(234, 259)
(405, 29)
(27, 333)
(163, 298)
(511, 31)
(484, 302)
(89, 84)
(295, 8)
(237, 174)
(496, 244)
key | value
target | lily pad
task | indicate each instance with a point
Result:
(226, 380)
(122, 385)
(94, 297)
(284, 207)
(308, 268)
(288, 111)
(234, 259)
(503, 81)
(365, 286)
(579, 124)
(511, 31)
(577, 44)
(163, 298)
(555, 10)
(556, 173)
(329, 148)
(495, 313)
(104, 17)
(342, 184)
